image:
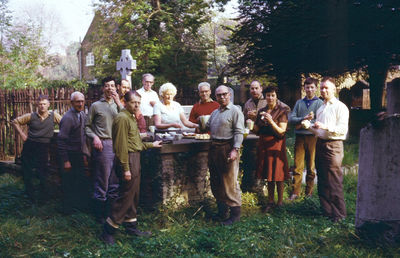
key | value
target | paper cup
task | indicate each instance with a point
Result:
(250, 124)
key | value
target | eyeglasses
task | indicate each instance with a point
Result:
(220, 95)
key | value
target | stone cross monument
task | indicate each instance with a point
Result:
(125, 65)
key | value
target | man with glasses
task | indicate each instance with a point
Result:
(71, 144)
(226, 126)
(205, 106)
(149, 98)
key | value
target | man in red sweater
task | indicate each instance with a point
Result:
(205, 106)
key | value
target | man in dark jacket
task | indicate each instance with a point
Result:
(71, 148)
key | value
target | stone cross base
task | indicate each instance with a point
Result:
(378, 195)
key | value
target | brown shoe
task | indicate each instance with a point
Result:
(293, 197)
(234, 217)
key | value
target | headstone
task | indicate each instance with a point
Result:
(378, 191)
(126, 65)
(393, 97)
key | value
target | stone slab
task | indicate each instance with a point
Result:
(378, 195)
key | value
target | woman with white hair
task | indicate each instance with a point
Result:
(169, 114)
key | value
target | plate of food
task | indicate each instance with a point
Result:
(188, 135)
(202, 136)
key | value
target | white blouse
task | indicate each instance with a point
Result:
(169, 115)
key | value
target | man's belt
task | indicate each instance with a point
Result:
(221, 141)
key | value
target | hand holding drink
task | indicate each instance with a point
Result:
(249, 124)
(310, 116)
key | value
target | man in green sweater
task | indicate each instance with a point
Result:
(127, 145)
(304, 146)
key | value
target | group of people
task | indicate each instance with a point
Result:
(321, 125)
(111, 135)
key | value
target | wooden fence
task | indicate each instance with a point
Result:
(14, 103)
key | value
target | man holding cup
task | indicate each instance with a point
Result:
(204, 107)
(250, 110)
(255, 103)
(304, 147)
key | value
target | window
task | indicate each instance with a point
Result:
(90, 59)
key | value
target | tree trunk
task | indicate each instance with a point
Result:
(377, 78)
(289, 89)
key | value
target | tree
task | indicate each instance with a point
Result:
(65, 67)
(375, 44)
(290, 38)
(163, 36)
(215, 35)
(22, 54)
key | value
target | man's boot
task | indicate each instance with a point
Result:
(108, 234)
(222, 214)
(235, 216)
(99, 211)
(131, 229)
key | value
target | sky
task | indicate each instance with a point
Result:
(67, 20)
(72, 17)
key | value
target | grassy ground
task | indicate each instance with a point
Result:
(297, 229)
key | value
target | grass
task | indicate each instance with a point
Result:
(298, 229)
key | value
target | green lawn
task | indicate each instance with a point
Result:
(298, 229)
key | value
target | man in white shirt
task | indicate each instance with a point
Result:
(149, 98)
(331, 128)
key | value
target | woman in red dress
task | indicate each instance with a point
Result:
(272, 164)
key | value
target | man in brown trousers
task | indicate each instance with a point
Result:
(226, 126)
(304, 145)
(127, 146)
(331, 128)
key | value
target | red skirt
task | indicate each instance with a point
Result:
(272, 161)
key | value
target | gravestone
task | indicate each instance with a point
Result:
(378, 191)
(393, 96)
(126, 65)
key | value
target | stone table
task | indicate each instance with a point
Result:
(178, 172)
